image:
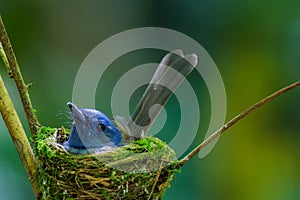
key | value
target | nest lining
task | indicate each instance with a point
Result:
(141, 170)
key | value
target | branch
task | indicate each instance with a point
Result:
(237, 119)
(4, 58)
(15, 73)
(18, 136)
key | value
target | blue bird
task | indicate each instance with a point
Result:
(92, 131)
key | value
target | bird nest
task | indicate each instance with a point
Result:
(140, 170)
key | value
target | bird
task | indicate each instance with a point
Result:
(92, 131)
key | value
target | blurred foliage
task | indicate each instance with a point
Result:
(255, 45)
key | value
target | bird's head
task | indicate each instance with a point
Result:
(92, 129)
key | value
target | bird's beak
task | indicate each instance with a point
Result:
(77, 114)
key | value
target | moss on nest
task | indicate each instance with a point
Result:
(141, 170)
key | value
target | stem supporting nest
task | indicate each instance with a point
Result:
(18, 136)
(10, 115)
(237, 119)
(15, 73)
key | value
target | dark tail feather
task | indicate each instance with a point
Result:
(171, 71)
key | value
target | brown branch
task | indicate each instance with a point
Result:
(237, 119)
(18, 136)
(17, 76)
(155, 181)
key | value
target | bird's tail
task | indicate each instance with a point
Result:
(171, 71)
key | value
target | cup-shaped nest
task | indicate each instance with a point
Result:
(140, 170)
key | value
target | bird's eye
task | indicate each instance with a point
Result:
(101, 126)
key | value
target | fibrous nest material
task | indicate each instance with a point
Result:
(140, 170)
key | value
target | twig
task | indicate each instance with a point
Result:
(18, 136)
(237, 119)
(155, 181)
(17, 76)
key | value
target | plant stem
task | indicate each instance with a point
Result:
(17, 76)
(237, 119)
(4, 58)
(18, 136)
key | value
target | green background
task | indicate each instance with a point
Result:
(255, 45)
